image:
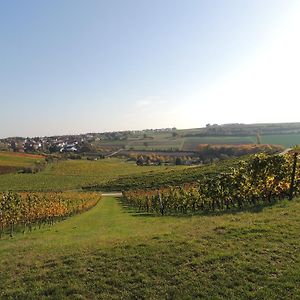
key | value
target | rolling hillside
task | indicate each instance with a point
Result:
(111, 252)
(12, 162)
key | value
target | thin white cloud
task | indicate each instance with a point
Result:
(143, 103)
(149, 102)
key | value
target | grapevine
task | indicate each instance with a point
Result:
(259, 180)
(27, 211)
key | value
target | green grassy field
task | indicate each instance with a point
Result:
(287, 140)
(165, 141)
(73, 174)
(111, 252)
(157, 144)
(158, 141)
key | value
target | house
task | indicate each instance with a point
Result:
(69, 148)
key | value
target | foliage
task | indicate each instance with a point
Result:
(261, 179)
(163, 177)
(28, 210)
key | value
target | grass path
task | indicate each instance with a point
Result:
(112, 253)
(105, 224)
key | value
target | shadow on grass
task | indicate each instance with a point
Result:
(133, 211)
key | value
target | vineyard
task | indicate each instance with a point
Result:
(11, 162)
(166, 177)
(25, 211)
(261, 179)
(114, 252)
(73, 174)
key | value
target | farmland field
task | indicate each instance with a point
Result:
(287, 140)
(18, 159)
(12, 162)
(189, 139)
(73, 174)
(191, 143)
(157, 144)
(111, 252)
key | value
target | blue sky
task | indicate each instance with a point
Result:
(73, 66)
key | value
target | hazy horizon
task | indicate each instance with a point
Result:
(141, 129)
(70, 67)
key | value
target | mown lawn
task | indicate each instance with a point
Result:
(111, 252)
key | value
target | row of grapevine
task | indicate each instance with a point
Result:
(261, 179)
(164, 177)
(26, 210)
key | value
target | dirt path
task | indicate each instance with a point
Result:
(285, 151)
(114, 153)
(112, 194)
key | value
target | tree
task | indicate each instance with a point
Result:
(178, 161)
(13, 146)
(53, 148)
(140, 161)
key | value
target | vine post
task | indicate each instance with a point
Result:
(292, 187)
(162, 211)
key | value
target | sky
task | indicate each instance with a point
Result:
(77, 66)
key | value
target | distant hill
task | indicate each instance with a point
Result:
(245, 129)
(165, 139)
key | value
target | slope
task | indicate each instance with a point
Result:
(111, 252)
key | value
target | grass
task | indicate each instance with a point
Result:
(111, 252)
(12, 162)
(287, 140)
(159, 142)
(73, 174)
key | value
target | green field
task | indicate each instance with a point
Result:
(157, 144)
(165, 141)
(73, 174)
(287, 140)
(110, 252)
